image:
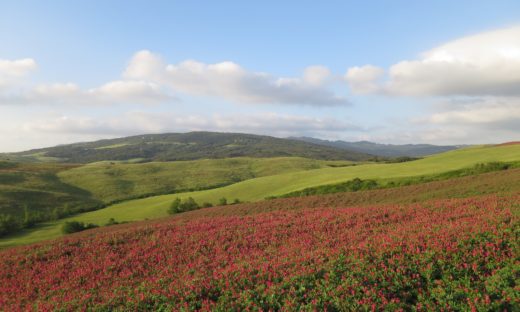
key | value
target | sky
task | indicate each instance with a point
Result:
(438, 72)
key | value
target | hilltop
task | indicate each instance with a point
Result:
(383, 150)
(187, 146)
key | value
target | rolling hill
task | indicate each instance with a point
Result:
(258, 188)
(383, 150)
(113, 181)
(187, 146)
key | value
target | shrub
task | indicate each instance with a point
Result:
(75, 226)
(178, 206)
(174, 207)
(111, 221)
(222, 201)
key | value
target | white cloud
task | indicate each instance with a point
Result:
(230, 81)
(364, 79)
(12, 70)
(316, 75)
(130, 91)
(143, 122)
(485, 64)
(488, 114)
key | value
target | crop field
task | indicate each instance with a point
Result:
(459, 254)
(115, 181)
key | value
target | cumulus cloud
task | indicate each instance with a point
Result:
(485, 64)
(230, 81)
(12, 70)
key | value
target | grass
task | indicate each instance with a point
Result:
(116, 181)
(37, 186)
(259, 188)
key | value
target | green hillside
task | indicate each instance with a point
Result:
(36, 187)
(259, 188)
(187, 146)
(112, 181)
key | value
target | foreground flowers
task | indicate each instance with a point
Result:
(453, 254)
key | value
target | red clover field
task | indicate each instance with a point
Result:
(456, 254)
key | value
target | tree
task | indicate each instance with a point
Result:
(175, 206)
(75, 226)
(222, 201)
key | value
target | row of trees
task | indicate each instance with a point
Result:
(10, 223)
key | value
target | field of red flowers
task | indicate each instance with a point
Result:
(458, 254)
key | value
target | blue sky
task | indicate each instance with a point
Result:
(73, 70)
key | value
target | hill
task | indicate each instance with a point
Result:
(258, 188)
(35, 188)
(113, 181)
(383, 150)
(188, 146)
(262, 187)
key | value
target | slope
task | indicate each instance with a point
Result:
(112, 181)
(256, 189)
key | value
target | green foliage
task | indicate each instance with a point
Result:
(111, 221)
(178, 206)
(222, 201)
(76, 226)
(349, 186)
(401, 159)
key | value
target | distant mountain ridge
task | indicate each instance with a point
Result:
(188, 146)
(383, 150)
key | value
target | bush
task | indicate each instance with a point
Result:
(207, 205)
(111, 221)
(75, 226)
(178, 206)
(222, 201)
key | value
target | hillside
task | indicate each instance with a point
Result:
(188, 146)
(325, 258)
(262, 187)
(112, 181)
(258, 188)
(37, 188)
(383, 150)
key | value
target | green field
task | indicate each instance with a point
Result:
(259, 188)
(36, 186)
(116, 181)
